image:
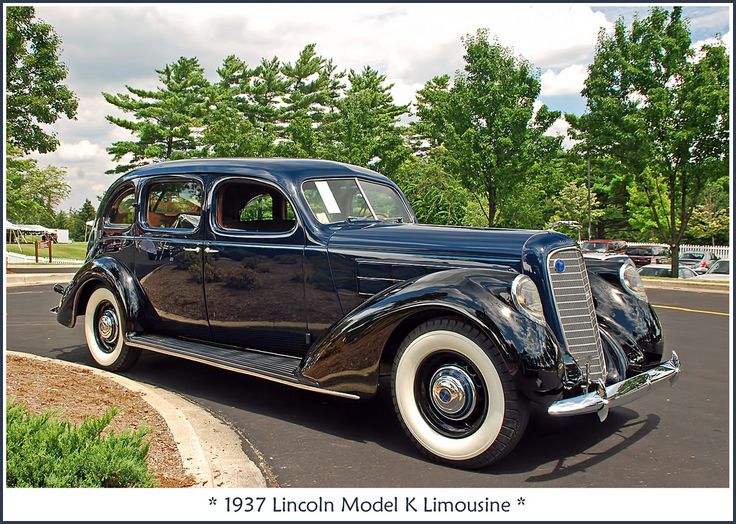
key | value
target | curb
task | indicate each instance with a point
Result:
(211, 451)
(30, 279)
(679, 285)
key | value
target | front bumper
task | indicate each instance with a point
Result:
(617, 394)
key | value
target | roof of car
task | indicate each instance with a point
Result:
(292, 169)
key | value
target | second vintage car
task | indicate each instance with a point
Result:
(316, 274)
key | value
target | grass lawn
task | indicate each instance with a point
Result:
(76, 250)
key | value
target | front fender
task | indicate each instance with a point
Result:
(348, 357)
(110, 273)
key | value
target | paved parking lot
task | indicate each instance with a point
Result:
(673, 437)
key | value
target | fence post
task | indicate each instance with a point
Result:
(35, 243)
(51, 259)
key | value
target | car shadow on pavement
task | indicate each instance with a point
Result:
(566, 446)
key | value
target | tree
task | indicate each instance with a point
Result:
(35, 94)
(660, 110)
(365, 131)
(485, 121)
(79, 218)
(33, 192)
(572, 204)
(710, 217)
(312, 89)
(167, 122)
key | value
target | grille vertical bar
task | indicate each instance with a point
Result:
(574, 302)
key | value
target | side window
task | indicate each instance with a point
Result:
(253, 207)
(120, 212)
(174, 205)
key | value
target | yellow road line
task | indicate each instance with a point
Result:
(692, 310)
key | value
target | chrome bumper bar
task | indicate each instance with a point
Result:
(618, 394)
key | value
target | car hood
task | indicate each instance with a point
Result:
(501, 246)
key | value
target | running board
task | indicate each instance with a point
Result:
(277, 368)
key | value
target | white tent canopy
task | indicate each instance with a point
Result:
(26, 228)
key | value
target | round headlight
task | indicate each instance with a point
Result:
(631, 281)
(526, 298)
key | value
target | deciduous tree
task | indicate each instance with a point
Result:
(34, 75)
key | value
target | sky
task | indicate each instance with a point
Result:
(109, 47)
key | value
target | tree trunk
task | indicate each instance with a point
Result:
(491, 207)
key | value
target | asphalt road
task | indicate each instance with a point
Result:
(673, 437)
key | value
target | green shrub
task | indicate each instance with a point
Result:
(46, 452)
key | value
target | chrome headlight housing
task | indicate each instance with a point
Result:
(526, 298)
(631, 281)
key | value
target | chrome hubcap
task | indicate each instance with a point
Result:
(452, 392)
(107, 326)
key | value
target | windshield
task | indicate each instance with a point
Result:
(347, 199)
(722, 267)
(598, 247)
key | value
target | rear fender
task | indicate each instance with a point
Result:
(348, 357)
(106, 272)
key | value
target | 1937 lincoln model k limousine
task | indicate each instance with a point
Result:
(317, 275)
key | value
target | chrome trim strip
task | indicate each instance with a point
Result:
(617, 394)
(244, 372)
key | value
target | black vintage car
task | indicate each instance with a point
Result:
(317, 275)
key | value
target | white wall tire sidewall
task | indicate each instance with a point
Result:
(100, 356)
(448, 448)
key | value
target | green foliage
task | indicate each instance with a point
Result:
(710, 219)
(78, 219)
(32, 192)
(34, 72)
(166, 121)
(572, 204)
(365, 131)
(660, 113)
(485, 122)
(45, 452)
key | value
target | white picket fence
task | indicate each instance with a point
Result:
(17, 258)
(719, 251)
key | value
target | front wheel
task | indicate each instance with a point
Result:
(454, 396)
(104, 330)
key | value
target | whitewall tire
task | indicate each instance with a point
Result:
(454, 396)
(104, 329)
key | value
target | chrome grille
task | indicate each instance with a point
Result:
(574, 302)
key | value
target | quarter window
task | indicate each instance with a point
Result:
(174, 205)
(252, 207)
(121, 211)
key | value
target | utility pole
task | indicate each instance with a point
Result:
(589, 224)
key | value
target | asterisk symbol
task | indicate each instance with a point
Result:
(521, 501)
(213, 501)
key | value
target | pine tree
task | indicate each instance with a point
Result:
(167, 121)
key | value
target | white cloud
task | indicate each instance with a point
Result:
(568, 81)
(725, 39)
(560, 127)
(80, 151)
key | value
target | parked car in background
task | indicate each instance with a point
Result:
(317, 275)
(603, 246)
(644, 255)
(664, 270)
(698, 261)
(720, 270)
(611, 257)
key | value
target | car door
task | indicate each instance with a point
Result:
(254, 271)
(169, 255)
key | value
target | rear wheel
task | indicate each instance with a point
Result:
(454, 396)
(104, 329)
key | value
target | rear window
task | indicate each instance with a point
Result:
(655, 272)
(640, 251)
(692, 256)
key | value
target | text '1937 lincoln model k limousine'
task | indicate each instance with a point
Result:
(316, 274)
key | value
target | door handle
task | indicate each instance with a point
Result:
(192, 249)
(209, 250)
